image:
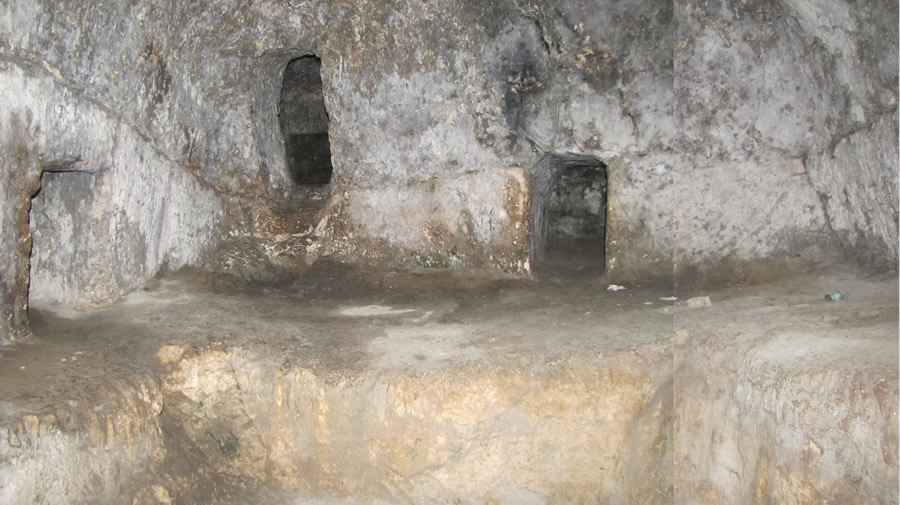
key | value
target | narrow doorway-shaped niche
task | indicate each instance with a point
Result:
(67, 266)
(304, 123)
(568, 213)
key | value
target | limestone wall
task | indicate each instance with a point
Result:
(769, 98)
(736, 134)
(90, 173)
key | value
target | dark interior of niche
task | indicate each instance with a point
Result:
(304, 123)
(569, 202)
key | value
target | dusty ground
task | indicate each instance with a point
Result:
(355, 330)
(326, 318)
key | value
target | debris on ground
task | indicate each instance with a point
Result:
(699, 302)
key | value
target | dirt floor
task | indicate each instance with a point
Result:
(328, 318)
(355, 330)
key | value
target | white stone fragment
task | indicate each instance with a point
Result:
(373, 310)
(699, 302)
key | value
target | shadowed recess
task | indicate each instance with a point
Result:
(304, 122)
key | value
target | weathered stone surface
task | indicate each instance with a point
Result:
(858, 184)
(438, 436)
(449, 91)
(746, 213)
(368, 387)
(114, 205)
(760, 84)
(763, 81)
(743, 140)
(93, 448)
(770, 411)
(640, 240)
(362, 386)
(444, 92)
(20, 141)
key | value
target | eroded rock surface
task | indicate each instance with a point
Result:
(370, 388)
(162, 118)
(769, 410)
(743, 141)
(374, 390)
